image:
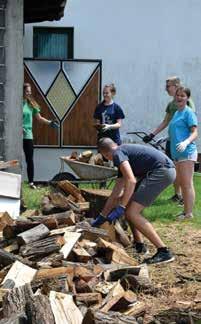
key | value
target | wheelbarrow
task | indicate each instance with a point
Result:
(95, 175)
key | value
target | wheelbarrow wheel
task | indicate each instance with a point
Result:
(63, 176)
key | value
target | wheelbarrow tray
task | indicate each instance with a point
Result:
(87, 171)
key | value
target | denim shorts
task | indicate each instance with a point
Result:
(191, 157)
(152, 185)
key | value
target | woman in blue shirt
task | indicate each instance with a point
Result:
(183, 132)
(108, 115)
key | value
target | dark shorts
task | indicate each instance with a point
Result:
(152, 185)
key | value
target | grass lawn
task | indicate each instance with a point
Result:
(162, 211)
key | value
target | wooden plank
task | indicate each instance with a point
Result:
(64, 309)
(136, 309)
(70, 238)
(20, 274)
(123, 237)
(10, 184)
(120, 302)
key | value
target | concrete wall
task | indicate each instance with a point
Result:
(11, 70)
(13, 80)
(140, 43)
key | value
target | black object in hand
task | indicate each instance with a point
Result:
(148, 138)
(54, 124)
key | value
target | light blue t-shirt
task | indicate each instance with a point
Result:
(179, 130)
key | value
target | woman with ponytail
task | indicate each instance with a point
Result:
(30, 109)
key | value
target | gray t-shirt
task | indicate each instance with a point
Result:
(142, 158)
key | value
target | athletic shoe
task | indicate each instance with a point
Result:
(160, 257)
(181, 202)
(140, 248)
(184, 216)
(32, 185)
(176, 198)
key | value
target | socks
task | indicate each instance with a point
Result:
(163, 249)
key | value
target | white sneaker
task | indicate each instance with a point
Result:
(184, 216)
(32, 185)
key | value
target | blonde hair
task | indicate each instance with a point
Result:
(174, 81)
(30, 99)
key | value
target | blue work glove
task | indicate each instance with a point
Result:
(54, 124)
(99, 221)
(116, 214)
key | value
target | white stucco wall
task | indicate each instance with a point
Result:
(140, 42)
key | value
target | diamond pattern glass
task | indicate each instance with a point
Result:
(44, 72)
(78, 73)
(61, 95)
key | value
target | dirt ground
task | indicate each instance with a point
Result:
(176, 295)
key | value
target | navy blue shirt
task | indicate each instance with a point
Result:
(109, 115)
(142, 158)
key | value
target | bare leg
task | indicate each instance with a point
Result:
(185, 171)
(177, 187)
(136, 234)
(142, 225)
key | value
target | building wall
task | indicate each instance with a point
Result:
(140, 43)
(13, 81)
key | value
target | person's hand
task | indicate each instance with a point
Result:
(54, 124)
(148, 138)
(116, 214)
(105, 128)
(180, 147)
(99, 221)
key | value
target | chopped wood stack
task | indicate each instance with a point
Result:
(56, 268)
(88, 157)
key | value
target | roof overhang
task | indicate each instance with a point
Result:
(37, 10)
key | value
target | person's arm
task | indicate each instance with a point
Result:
(163, 124)
(129, 182)
(180, 147)
(42, 120)
(113, 199)
(107, 127)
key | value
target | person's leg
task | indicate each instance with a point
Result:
(177, 188)
(185, 171)
(137, 221)
(28, 151)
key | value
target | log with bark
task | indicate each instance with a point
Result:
(7, 258)
(5, 219)
(43, 247)
(97, 317)
(34, 234)
(54, 203)
(89, 299)
(71, 189)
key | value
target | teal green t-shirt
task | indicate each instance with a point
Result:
(28, 113)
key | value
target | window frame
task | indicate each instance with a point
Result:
(56, 30)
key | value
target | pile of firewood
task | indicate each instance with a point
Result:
(88, 157)
(56, 268)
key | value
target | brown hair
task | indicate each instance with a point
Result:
(184, 89)
(31, 101)
(112, 88)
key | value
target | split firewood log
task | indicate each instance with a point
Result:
(70, 188)
(54, 203)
